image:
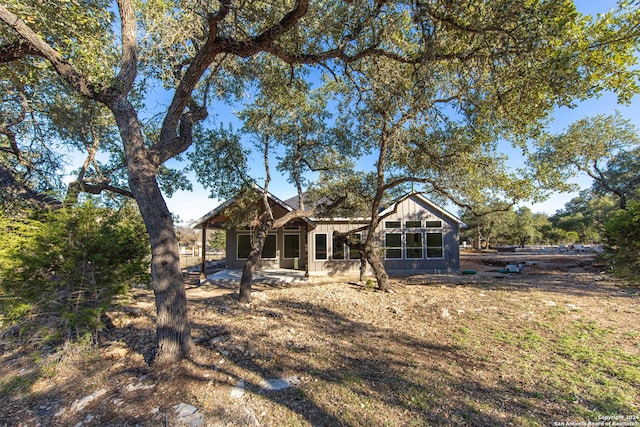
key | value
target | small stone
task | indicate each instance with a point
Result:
(280, 383)
(238, 391)
(79, 404)
(189, 415)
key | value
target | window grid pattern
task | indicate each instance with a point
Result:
(418, 240)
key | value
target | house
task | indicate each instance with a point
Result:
(414, 236)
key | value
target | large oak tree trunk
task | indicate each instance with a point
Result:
(363, 265)
(173, 328)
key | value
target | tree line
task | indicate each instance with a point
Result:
(424, 91)
(607, 149)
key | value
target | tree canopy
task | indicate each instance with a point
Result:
(604, 147)
(441, 81)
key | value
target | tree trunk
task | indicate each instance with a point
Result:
(363, 265)
(173, 328)
(254, 256)
(378, 269)
(247, 274)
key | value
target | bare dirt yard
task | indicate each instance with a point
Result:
(557, 343)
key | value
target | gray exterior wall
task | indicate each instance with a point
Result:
(410, 209)
(283, 258)
(331, 265)
(415, 209)
(324, 260)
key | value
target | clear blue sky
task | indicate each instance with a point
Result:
(192, 205)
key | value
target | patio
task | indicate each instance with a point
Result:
(281, 276)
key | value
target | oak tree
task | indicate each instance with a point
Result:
(502, 61)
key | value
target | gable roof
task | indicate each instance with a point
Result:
(432, 206)
(293, 204)
(219, 211)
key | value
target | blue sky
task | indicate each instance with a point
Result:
(191, 205)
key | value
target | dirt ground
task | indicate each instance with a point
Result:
(557, 343)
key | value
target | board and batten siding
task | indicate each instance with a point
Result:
(331, 266)
(409, 209)
(281, 260)
(416, 209)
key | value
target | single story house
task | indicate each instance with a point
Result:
(414, 236)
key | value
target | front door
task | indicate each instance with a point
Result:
(291, 252)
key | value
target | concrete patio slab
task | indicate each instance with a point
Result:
(267, 277)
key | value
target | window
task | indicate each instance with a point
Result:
(433, 224)
(414, 245)
(413, 224)
(338, 249)
(354, 253)
(321, 246)
(291, 246)
(434, 245)
(393, 245)
(392, 224)
(244, 246)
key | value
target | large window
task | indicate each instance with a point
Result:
(321, 246)
(393, 245)
(291, 245)
(244, 246)
(434, 245)
(413, 248)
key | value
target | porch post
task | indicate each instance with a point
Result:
(306, 251)
(203, 262)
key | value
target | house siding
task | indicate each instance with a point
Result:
(428, 244)
(297, 228)
(331, 266)
(409, 209)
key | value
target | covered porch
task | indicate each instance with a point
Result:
(286, 249)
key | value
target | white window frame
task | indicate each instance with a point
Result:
(348, 249)
(427, 247)
(251, 237)
(388, 226)
(326, 247)
(407, 247)
(345, 252)
(433, 227)
(386, 248)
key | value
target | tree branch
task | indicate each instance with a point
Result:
(9, 184)
(62, 67)
(17, 50)
(129, 65)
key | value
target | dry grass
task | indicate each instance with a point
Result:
(559, 342)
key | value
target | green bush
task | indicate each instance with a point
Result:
(622, 241)
(68, 264)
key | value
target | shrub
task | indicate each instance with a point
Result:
(69, 264)
(622, 241)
